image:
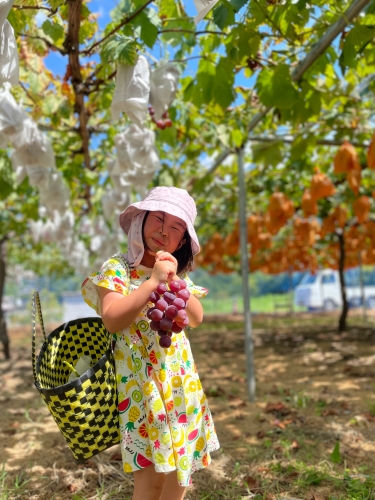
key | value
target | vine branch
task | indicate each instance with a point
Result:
(123, 23)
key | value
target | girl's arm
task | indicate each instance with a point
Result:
(194, 311)
(118, 311)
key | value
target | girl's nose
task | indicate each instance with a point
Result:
(163, 232)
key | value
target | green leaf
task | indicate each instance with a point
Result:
(221, 14)
(120, 48)
(223, 83)
(236, 137)
(355, 42)
(56, 3)
(275, 87)
(169, 136)
(268, 153)
(300, 145)
(238, 4)
(148, 22)
(53, 30)
(223, 134)
(335, 455)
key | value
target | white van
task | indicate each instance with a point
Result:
(322, 291)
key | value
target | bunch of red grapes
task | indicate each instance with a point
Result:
(168, 316)
(166, 122)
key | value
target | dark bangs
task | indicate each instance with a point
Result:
(184, 255)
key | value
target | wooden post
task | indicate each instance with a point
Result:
(249, 346)
(361, 282)
(345, 305)
(3, 326)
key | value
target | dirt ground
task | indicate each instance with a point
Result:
(310, 434)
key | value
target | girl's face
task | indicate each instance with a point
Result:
(163, 231)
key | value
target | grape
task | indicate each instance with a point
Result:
(156, 315)
(161, 288)
(176, 328)
(181, 315)
(155, 325)
(179, 303)
(150, 311)
(160, 124)
(183, 284)
(174, 286)
(165, 341)
(171, 312)
(182, 323)
(184, 295)
(169, 297)
(165, 324)
(168, 307)
(161, 304)
(154, 297)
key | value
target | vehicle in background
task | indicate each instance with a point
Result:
(322, 291)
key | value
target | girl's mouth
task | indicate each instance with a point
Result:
(159, 243)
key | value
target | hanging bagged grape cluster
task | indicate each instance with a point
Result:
(168, 316)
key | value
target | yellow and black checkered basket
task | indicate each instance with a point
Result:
(85, 409)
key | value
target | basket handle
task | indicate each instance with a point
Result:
(36, 310)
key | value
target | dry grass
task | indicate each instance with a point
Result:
(315, 389)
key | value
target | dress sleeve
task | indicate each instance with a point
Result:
(198, 291)
(112, 275)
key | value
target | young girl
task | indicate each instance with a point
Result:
(166, 427)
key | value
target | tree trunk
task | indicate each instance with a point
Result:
(345, 306)
(3, 326)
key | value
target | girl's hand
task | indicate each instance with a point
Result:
(163, 271)
(167, 257)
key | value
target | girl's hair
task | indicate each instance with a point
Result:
(183, 255)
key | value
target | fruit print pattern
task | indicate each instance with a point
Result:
(164, 417)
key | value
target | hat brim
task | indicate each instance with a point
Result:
(163, 206)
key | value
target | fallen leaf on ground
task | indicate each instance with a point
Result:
(252, 483)
(295, 446)
(277, 408)
(261, 434)
(369, 417)
(329, 412)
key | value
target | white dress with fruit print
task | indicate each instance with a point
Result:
(165, 420)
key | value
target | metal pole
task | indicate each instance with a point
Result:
(249, 347)
(328, 37)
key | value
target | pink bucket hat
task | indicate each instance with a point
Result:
(173, 201)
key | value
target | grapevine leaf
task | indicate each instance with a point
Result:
(275, 87)
(221, 14)
(238, 4)
(120, 48)
(53, 30)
